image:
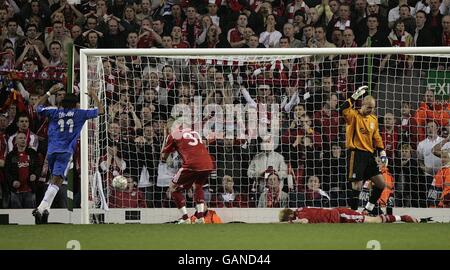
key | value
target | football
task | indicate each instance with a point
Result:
(120, 182)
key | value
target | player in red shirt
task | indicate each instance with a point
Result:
(336, 215)
(196, 168)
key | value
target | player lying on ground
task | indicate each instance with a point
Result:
(336, 215)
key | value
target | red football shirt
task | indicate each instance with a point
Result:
(24, 172)
(319, 215)
(190, 146)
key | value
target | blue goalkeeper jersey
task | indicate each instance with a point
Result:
(65, 127)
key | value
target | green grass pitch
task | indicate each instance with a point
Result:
(227, 236)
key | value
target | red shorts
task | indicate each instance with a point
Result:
(185, 178)
(350, 216)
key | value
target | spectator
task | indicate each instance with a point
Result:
(307, 35)
(444, 35)
(159, 26)
(146, 10)
(213, 39)
(271, 36)
(313, 18)
(176, 17)
(315, 196)
(92, 39)
(337, 38)
(408, 20)
(345, 80)
(375, 38)
(191, 28)
(292, 8)
(334, 172)
(428, 162)
(408, 133)
(177, 38)
(394, 13)
(59, 35)
(57, 58)
(328, 122)
(344, 20)
(423, 36)
(329, 11)
(273, 196)
(12, 34)
(129, 22)
(289, 32)
(400, 38)
(91, 23)
(441, 180)
(228, 197)
(130, 197)
(23, 126)
(235, 35)
(410, 189)
(232, 159)
(213, 12)
(434, 18)
(148, 38)
(320, 41)
(267, 160)
(112, 164)
(114, 37)
(148, 148)
(22, 165)
(389, 133)
(430, 110)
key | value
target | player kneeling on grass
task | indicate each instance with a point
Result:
(196, 168)
(336, 215)
(65, 124)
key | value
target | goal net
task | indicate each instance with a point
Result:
(269, 119)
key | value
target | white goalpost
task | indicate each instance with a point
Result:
(261, 112)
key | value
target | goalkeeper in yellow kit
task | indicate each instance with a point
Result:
(363, 141)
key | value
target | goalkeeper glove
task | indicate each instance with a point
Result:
(359, 92)
(383, 158)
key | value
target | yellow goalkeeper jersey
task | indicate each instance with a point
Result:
(361, 132)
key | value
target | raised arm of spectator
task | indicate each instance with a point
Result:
(137, 121)
(76, 11)
(25, 94)
(22, 55)
(43, 59)
(325, 7)
(13, 4)
(250, 101)
(437, 149)
(156, 37)
(295, 99)
(202, 37)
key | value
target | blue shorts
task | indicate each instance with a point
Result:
(58, 163)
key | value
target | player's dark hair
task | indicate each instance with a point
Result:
(70, 101)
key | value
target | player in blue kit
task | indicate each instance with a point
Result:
(65, 124)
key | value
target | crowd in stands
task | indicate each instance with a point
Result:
(306, 167)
